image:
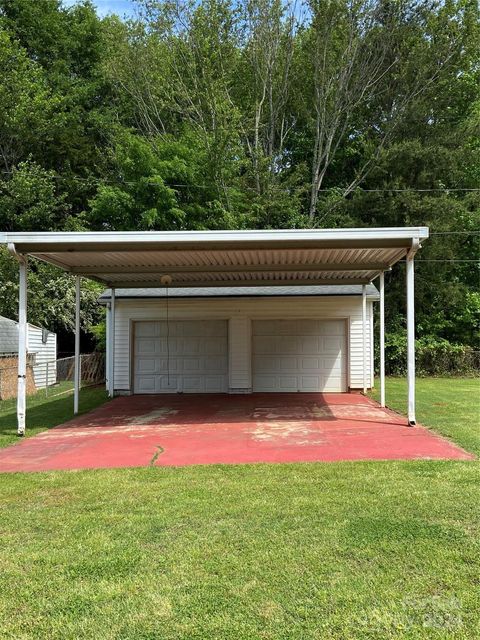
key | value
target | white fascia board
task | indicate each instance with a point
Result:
(105, 238)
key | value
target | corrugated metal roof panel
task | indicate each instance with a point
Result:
(207, 258)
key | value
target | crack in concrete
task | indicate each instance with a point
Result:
(155, 456)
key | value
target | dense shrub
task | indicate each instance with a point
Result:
(434, 356)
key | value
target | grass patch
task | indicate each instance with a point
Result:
(362, 550)
(349, 550)
(45, 412)
(451, 406)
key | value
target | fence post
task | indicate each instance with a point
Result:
(46, 380)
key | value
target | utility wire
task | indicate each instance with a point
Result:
(168, 337)
(212, 186)
(446, 260)
(455, 233)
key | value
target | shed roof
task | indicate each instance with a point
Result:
(222, 258)
(228, 292)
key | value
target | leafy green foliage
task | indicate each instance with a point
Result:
(29, 200)
(51, 298)
(257, 114)
(434, 356)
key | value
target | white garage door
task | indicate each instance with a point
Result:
(299, 355)
(189, 356)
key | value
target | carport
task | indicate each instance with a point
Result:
(206, 259)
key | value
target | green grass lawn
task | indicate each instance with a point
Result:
(450, 406)
(325, 551)
(45, 412)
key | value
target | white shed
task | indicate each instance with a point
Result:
(242, 339)
(41, 349)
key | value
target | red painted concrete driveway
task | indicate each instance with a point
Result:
(182, 430)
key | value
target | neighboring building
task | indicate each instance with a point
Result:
(41, 349)
(242, 339)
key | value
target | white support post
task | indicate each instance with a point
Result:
(22, 346)
(364, 335)
(382, 339)
(108, 325)
(112, 344)
(372, 345)
(411, 335)
(76, 392)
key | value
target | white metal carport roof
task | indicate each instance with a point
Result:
(222, 258)
(219, 259)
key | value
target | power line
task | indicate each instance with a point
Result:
(439, 189)
(446, 260)
(210, 186)
(455, 233)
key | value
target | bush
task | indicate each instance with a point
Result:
(433, 356)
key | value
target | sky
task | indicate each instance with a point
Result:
(123, 8)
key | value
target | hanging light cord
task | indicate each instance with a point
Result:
(168, 339)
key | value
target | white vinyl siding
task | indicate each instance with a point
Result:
(40, 352)
(240, 312)
(8, 336)
(44, 352)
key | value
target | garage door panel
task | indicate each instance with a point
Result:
(287, 364)
(215, 384)
(191, 365)
(331, 383)
(147, 365)
(198, 357)
(146, 384)
(264, 382)
(147, 346)
(300, 355)
(166, 384)
(147, 330)
(213, 346)
(287, 383)
(309, 344)
(285, 327)
(287, 345)
(215, 363)
(190, 346)
(264, 363)
(310, 383)
(192, 384)
(265, 345)
(310, 364)
(332, 345)
(331, 328)
(307, 327)
(331, 363)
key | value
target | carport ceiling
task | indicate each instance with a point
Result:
(222, 258)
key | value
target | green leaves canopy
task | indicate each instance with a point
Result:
(248, 115)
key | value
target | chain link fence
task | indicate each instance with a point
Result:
(51, 378)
